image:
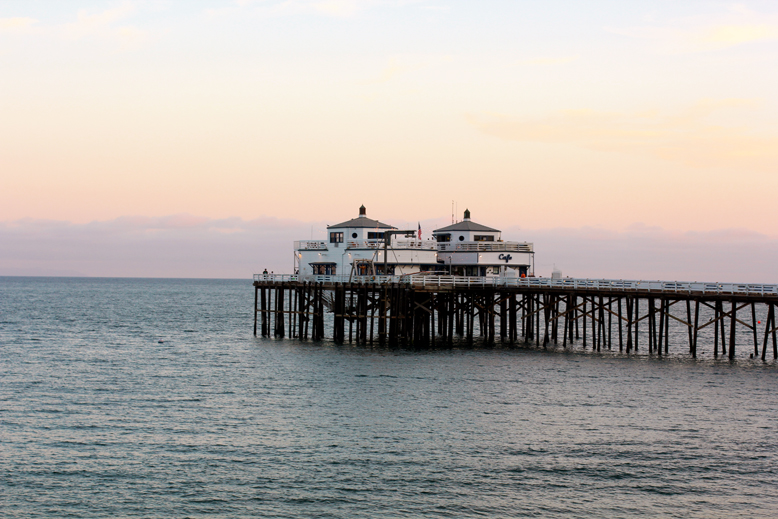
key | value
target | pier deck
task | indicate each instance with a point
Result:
(428, 309)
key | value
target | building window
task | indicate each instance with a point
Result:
(336, 237)
(389, 270)
(443, 238)
(324, 269)
(375, 236)
(483, 237)
(354, 235)
(461, 238)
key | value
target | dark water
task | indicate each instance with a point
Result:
(99, 419)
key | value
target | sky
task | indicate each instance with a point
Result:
(200, 139)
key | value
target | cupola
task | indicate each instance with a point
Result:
(467, 215)
(362, 212)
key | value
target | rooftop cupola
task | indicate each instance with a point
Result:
(467, 215)
(362, 212)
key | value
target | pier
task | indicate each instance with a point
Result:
(434, 310)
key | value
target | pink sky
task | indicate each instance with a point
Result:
(556, 119)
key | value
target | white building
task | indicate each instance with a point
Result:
(363, 246)
(357, 247)
(467, 248)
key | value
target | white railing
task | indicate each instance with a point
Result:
(414, 244)
(396, 244)
(365, 244)
(486, 246)
(616, 285)
(310, 245)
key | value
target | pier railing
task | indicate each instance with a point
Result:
(486, 247)
(600, 285)
(314, 245)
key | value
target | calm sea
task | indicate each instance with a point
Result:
(98, 418)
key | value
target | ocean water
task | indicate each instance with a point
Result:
(98, 418)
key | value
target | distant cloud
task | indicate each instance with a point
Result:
(131, 37)
(405, 64)
(394, 69)
(339, 7)
(17, 24)
(686, 137)
(185, 245)
(90, 24)
(650, 253)
(701, 34)
(330, 8)
(179, 245)
(104, 24)
(547, 61)
(726, 35)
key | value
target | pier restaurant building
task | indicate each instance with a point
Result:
(363, 246)
(468, 248)
(366, 247)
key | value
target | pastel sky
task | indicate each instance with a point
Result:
(606, 117)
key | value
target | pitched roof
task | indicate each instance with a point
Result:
(362, 222)
(466, 225)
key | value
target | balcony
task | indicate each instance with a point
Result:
(310, 245)
(396, 244)
(487, 246)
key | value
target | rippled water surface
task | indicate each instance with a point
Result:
(98, 418)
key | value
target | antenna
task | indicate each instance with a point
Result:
(452, 212)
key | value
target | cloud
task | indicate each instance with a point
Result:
(180, 245)
(101, 23)
(333, 8)
(687, 137)
(104, 24)
(184, 245)
(641, 252)
(131, 37)
(395, 68)
(545, 61)
(330, 8)
(727, 35)
(339, 7)
(17, 24)
(401, 65)
(702, 39)
(702, 34)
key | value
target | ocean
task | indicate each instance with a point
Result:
(152, 398)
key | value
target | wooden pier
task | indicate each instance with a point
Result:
(439, 310)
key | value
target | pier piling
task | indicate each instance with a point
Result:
(402, 312)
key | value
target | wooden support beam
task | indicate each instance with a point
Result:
(256, 290)
(768, 323)
(724, 314)
(689, 318)
(637, 313)
(610, 322)
(753, 322)
(696, 328)
(662, 311)
(667, 328)
(732, 331)
(621, 339)
(630, 303)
